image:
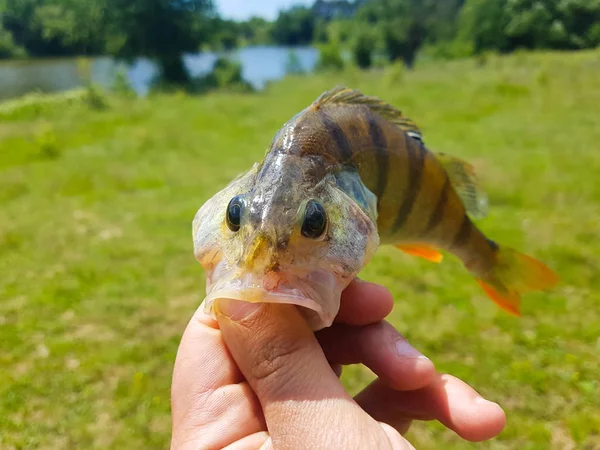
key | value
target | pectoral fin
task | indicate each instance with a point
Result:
(422, 251)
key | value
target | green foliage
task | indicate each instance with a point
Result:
(46, 141)
(507, 26)
(98, 279)
(95, 97)
(404, 25)
(8, 48)
(256, 31)
(159, 29)
(450, 29)
(321, 32)
(395, 74)
(226, 74)
(454, 49)
(330, 58)
(162, 30)
(121, 85)
(165, 29)
(295, 26)
(56, 27)
(35, 104)
(293, 65)
(341, 30)
(364, 45)
(224, 34)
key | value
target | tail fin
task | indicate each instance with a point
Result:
(514, 274)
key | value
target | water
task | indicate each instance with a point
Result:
(259, 65)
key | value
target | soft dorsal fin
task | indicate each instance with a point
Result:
(464, 181)
(343, 95)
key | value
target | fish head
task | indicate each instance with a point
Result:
(289, 236)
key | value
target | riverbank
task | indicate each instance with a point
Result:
(98, 278)
(260, 65)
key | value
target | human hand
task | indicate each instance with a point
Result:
(259, 378)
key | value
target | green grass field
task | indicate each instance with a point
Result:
(98, 279)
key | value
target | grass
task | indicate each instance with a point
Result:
(97, 276)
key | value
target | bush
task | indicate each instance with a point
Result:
(225, 74)
(394, 74)
(594, 34)
(449, 50)
(95, 97)
(363, 50)
(46, 141)
(293, 66)
(8, 48)
(33, 105)
(330, 58)
(121, 84)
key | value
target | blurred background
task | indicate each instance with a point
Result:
(118, 119)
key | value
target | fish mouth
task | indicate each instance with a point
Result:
(316, 293)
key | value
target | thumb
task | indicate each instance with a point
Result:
(301, 397)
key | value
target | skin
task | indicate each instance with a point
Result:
(240, 386)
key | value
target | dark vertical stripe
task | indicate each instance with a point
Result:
(438, 212)
(338, 136)
(463, 234)
(381, 155)
(416, 162)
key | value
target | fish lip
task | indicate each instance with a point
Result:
(260, 295)
(317, 293)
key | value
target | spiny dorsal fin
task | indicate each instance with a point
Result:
(343, 95)
(464, 181)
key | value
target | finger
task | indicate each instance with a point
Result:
(397, 441)
(255, 441)
(284, 364)
(208, 423)
(448, 399)
(206, 391)
(363, 303)
(382, 349)
(203, 364)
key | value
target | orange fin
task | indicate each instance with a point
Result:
(509, 303)
(422, 251)
(514, 274)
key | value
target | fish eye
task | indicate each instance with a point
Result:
(315, 220)
(234, 212)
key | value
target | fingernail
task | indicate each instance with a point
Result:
(235, 309)
(405, 350)
(480, 401)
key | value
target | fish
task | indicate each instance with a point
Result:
(344, 176)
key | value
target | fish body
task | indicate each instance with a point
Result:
(345, 175)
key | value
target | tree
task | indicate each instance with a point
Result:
(294, 27)
(363, 50)
(56, 27)
(162, 30)
(8, 48)
(223, 34)
(256, 31)
(484, 23)
(531, 24)
(403, 25)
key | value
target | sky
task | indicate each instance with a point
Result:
(244, 9)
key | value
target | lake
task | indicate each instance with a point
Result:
(259, 64)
